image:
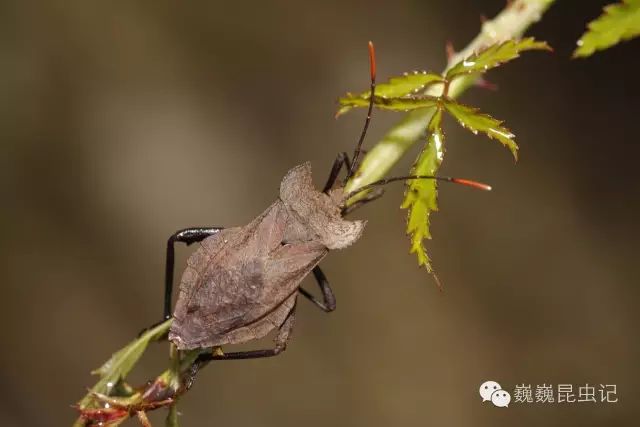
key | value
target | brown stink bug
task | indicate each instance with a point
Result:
(243, 282)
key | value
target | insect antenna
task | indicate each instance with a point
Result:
(461, 181)
(356, 153)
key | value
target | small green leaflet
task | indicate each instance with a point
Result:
(406, 84)
(396, 87)
(421, 194)
(618, 22)
(391, 104)
(471, 118)
(494, 55)
(121, 362)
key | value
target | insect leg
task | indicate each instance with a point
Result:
(341, 160)
(374, 195)
(329, 300)
(281, 344)
(187, 236)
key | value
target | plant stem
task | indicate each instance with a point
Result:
(512, 22)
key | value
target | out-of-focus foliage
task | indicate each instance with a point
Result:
(618, 22)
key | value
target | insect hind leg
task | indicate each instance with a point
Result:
(284, 332)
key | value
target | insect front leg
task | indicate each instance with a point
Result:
(341, 160)
(373, 195)
(187, 236)
(284, 332)
(328, 303)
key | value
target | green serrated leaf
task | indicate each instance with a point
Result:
(406, 84)
(618, 22)
(391, 104)
(494, 55)
(396, 87)
(421, 194)
(471, 118)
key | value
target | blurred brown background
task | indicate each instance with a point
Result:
(124, 121)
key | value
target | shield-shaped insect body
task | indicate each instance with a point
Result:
(242, 282)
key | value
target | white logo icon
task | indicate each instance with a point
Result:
(493, 392)
(501, 398)
(487, 388)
